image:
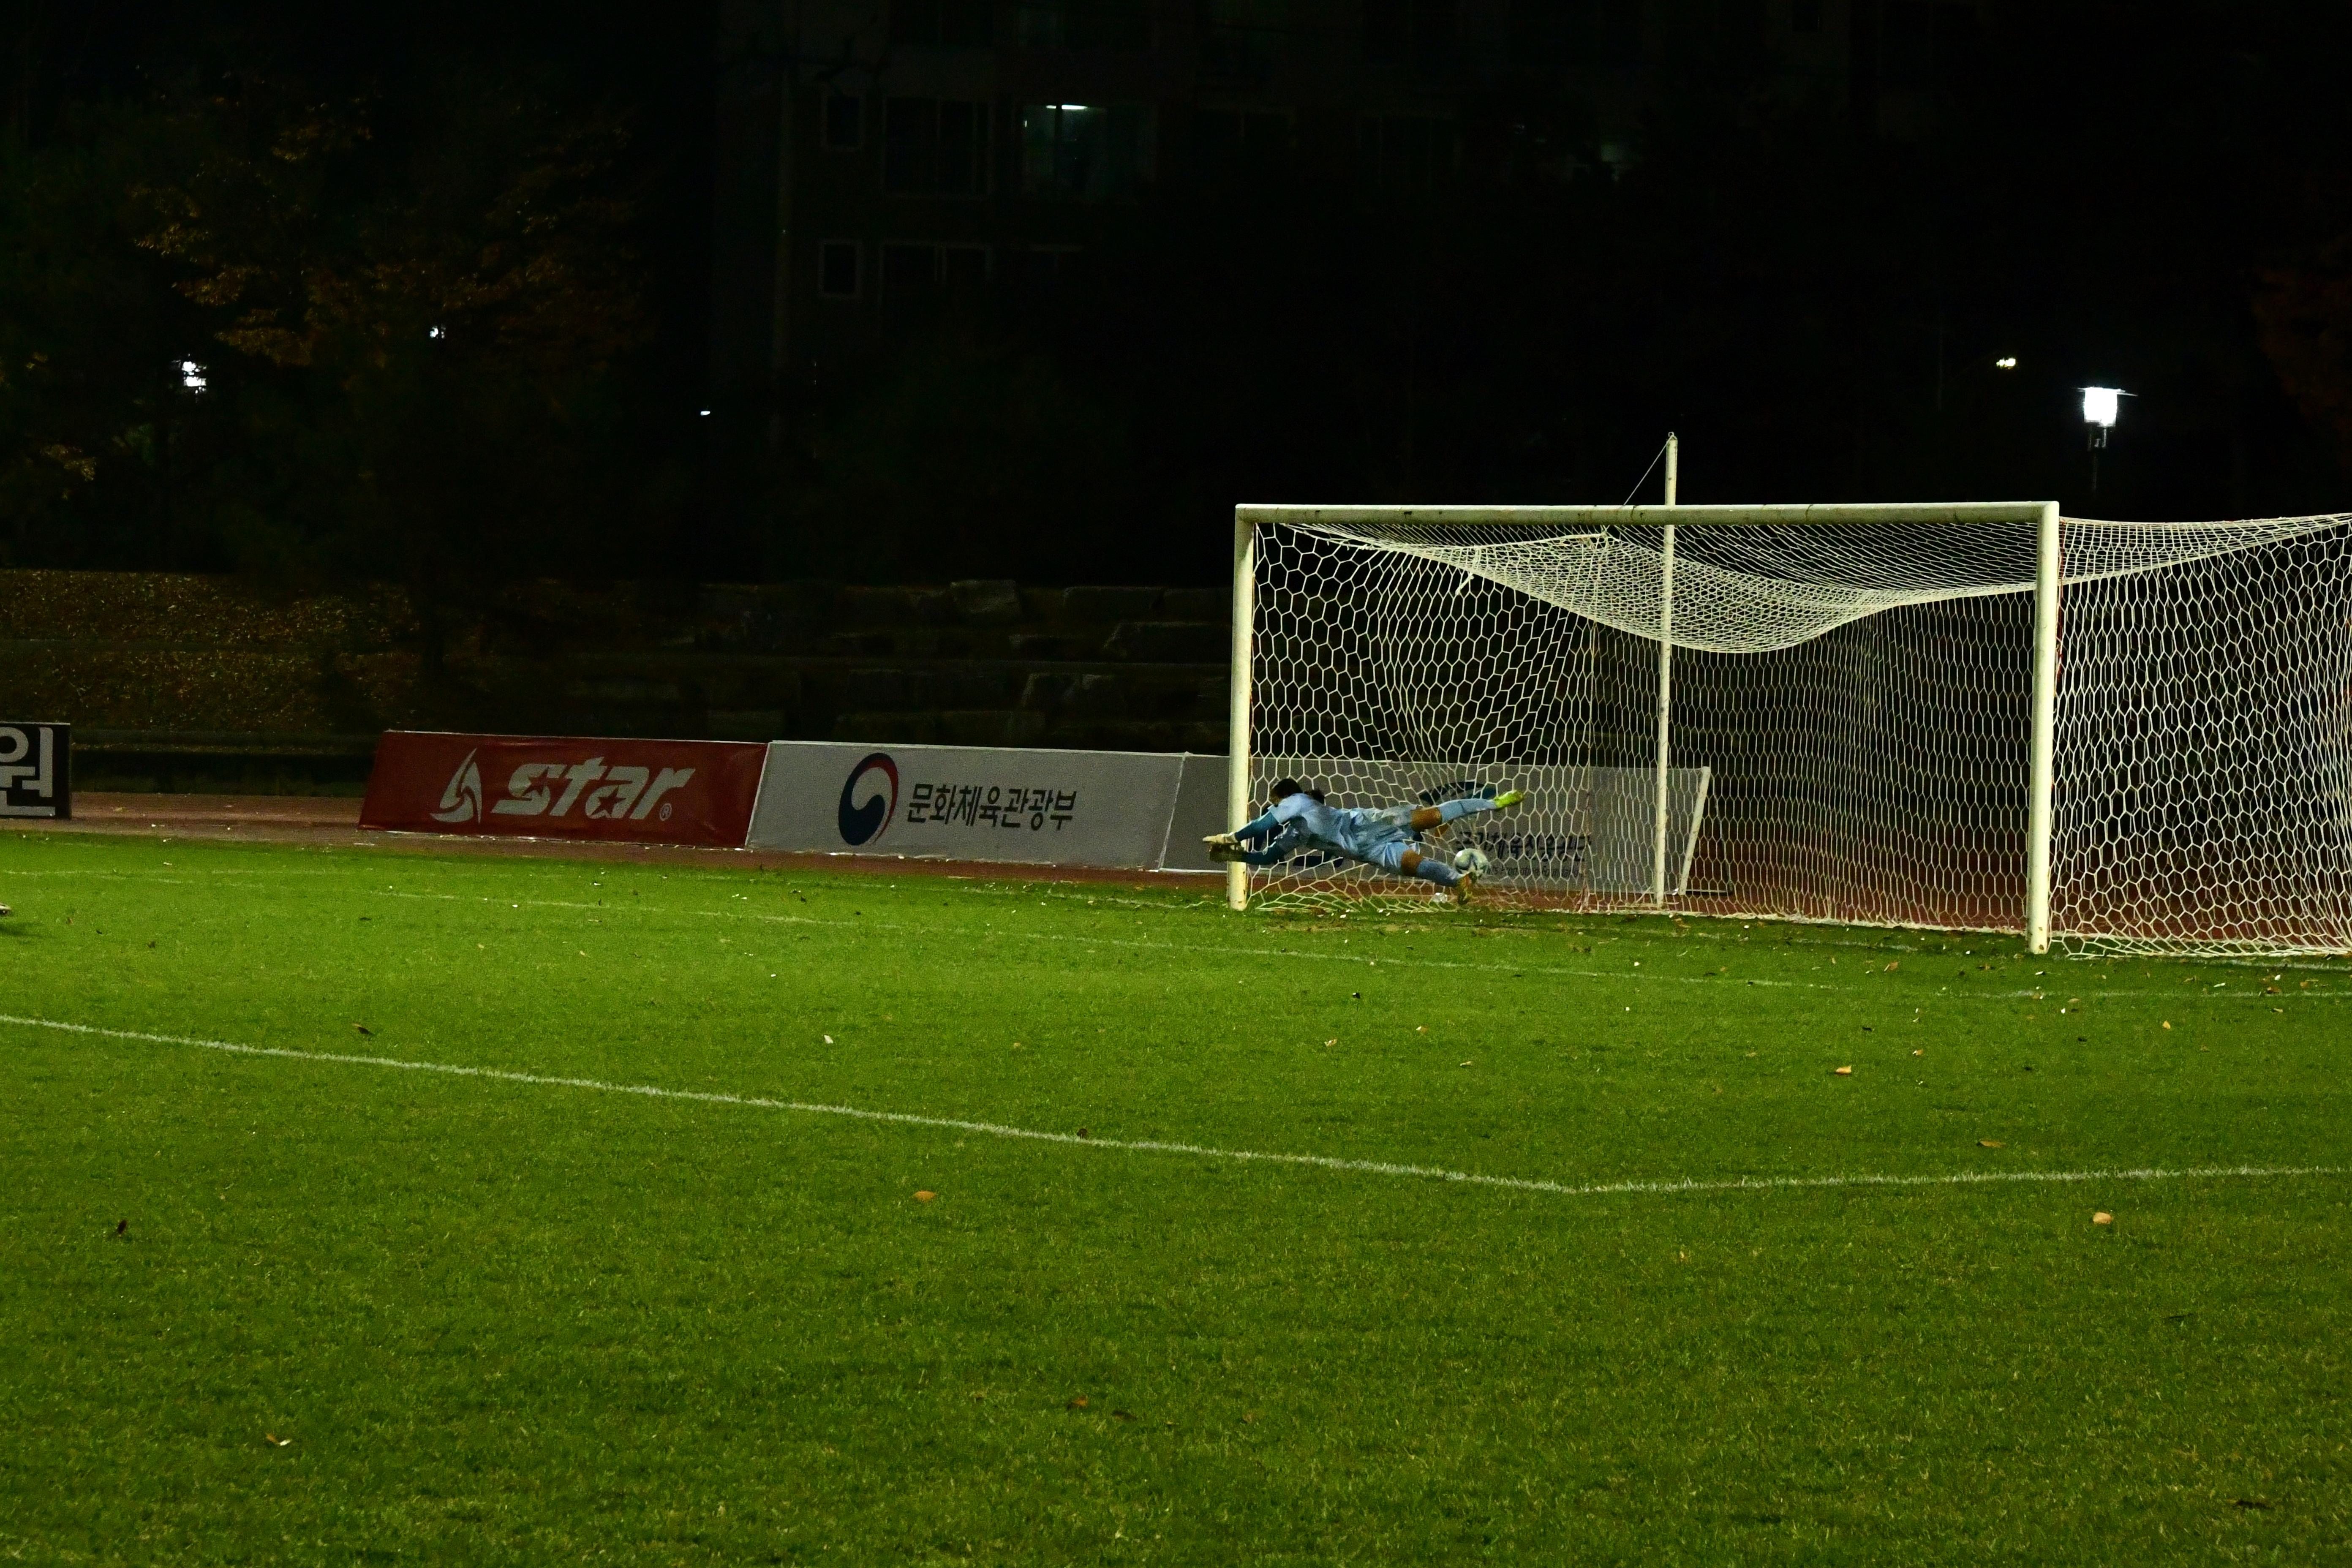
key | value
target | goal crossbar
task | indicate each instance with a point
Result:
(2043, 515)
(1994, 511)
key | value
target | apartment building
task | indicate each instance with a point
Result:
(883, 158)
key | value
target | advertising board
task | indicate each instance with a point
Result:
(37, 771)
(1108, 809)
(648, 792)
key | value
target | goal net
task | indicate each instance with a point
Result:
(1849, 713)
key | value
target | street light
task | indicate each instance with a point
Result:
(2100, 406)
(191, 375)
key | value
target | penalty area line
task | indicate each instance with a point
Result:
(1199, 1150)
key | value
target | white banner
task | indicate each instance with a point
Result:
(1200, 811)
(1110, 809)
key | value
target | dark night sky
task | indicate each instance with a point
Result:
(2110, 184)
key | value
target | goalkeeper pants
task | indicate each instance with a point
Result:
(1432, 867)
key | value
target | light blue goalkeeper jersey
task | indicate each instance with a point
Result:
(1301, 822)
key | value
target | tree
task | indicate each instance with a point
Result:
(428, 307)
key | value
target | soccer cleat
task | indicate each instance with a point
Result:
(1509, 798)
(1225, 847)
(1467, 889)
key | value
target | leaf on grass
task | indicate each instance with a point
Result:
(2103, 1217)
(275, 1440)
(828, 1039)
(1079, 1402)
(1249, 1415)
(1845, 1072)
(1891, 964)
(1990, 1143)
(1328, 1044)
(1084, 1133)
(362, 1029)
(2167, 1024)
(925, 1197)
(2255, 1502)
(1919, 1053)
(1121, 1416)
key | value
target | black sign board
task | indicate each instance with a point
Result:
(36, 770)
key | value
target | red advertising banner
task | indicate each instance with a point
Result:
(646, 792)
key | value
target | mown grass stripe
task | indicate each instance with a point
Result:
(1159, 1146)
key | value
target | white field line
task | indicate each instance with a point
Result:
(1157, 1146)
(2034, 993)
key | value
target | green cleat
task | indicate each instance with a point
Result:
(1509, 798)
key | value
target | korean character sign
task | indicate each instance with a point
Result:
(968, 803)
(37, 771)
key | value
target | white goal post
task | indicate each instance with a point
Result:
(1889, 720)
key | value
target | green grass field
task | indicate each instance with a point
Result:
(362, 1314)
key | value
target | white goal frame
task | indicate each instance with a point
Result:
(2044, 515)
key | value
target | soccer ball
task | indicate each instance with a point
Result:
(1470, 861)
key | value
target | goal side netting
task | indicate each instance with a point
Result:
(1849, 717)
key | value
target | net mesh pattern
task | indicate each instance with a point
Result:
(1850, 718)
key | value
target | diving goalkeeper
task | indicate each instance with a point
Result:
(1382, 835)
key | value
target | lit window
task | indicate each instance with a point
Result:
(191, 375)
(1089, 151)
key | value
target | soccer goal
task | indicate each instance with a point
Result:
(1980, 716)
